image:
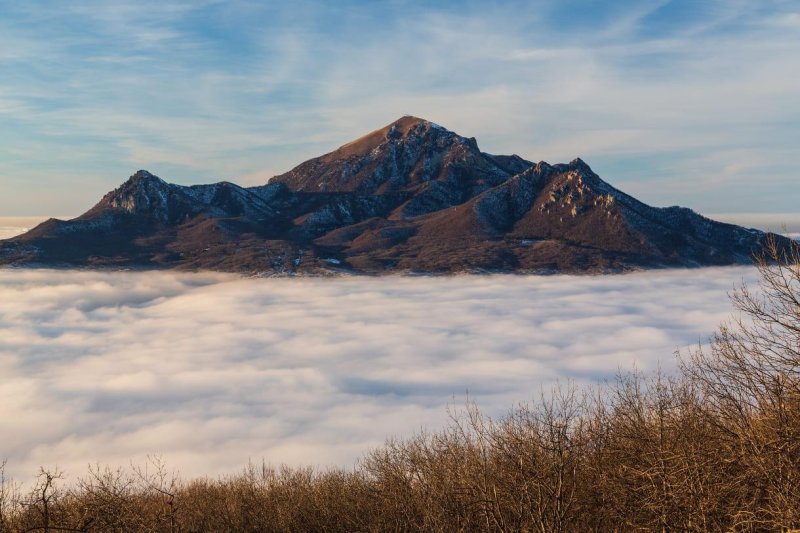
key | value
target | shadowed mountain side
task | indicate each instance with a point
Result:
(409, 197)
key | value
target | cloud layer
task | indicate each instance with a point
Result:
(211, 370)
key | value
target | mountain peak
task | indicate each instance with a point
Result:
(409, 119)
(408, 122)
(406, 153)
(143, 192)
(399, 129)
(580, 164)
(144, 175)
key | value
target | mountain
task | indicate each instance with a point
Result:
(410, 197)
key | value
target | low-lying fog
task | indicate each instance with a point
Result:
(211, 371)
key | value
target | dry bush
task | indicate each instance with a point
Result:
(750, 380)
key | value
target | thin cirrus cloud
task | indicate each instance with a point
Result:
(676, 102)
(211, 370)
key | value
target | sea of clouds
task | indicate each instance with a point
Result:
(211, 371)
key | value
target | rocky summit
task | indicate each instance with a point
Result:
(412, 197)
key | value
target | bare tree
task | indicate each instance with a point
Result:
(9, 499)
(157, 479)
(750, 377)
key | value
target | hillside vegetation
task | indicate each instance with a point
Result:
(714, 447)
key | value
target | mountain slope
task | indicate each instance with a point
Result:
(411, 197)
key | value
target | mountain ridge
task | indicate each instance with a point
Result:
(410, 197)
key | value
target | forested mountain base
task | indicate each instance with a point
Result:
(714, 447)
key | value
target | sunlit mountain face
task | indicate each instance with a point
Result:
(412, 196)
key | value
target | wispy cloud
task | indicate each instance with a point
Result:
(211, 370)
(653, 93)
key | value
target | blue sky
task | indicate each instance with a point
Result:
(677, 102)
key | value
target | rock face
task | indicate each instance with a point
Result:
(409, 197)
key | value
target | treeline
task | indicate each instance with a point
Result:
(714, 447)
